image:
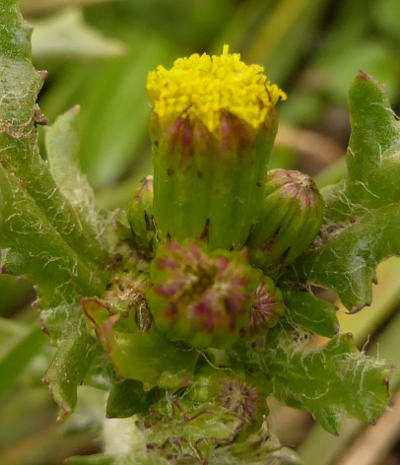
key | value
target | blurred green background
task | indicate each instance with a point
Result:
(98, 54)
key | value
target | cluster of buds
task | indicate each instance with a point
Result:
(213, 124)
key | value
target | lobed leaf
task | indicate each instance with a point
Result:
(347, 263)
(68, 369)
(310, 312)
(37, 250)
(362, 212)
(62, 147)
(19, 154)
(330, 382)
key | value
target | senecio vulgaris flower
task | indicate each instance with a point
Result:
(201, 298)
(290, 219)
(212, 127)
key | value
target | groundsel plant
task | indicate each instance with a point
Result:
(200, 302)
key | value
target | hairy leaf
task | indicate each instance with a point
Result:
(36, 249)
(363, 211)
(347, 263)
(330, 382)
(62, 146)
(308, 311)
(68, 369)
(63, 320)
(19, 155)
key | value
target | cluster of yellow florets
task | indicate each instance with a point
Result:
(202, 87)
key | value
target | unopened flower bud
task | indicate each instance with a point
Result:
(199, 298)
(141, 216)
(267, 307)
(213, 125)
(232, 392)
(290, 220)
(218, 409)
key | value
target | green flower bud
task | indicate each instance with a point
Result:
(290, 220)
(141, 216)
(199, 298)
(217, 410)
(212, 128)
(267, 307)
(230, 391)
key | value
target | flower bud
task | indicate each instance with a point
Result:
(267, 307)
(217, 410)
(199, 298)
(232, 392)
(290, 220)
(212, 127)
(141, 216)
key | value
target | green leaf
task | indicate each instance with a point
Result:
(62, 146)
(36, 249)
(68, 369)
(66, 35)
(61, 321)
(347, 263)
(146, 356)
(374, 148)
(19, 81)
(330, 382)
(310, 312)
(20, 351)
(362, 212)
(373, 156)
(128, 397)
(19, 154)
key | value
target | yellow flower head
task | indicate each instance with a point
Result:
(203, 87)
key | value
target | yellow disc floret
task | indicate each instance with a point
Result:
(203, 87)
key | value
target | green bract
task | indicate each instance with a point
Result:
(206, 187)
(290, 219)
(141, 216)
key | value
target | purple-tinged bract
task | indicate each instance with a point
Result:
(201, 298)
(290, 220)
